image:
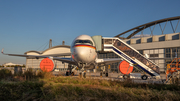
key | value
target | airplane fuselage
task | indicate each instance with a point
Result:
(83, 51)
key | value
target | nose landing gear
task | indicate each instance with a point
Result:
(71, 69)
(82, 74)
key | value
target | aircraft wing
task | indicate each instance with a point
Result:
(108, 61)
(67, 60)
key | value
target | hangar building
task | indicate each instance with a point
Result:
(53, 51)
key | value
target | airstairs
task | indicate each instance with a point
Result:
(131, 55)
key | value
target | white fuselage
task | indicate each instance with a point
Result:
(83, 50)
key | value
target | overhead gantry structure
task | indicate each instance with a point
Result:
(141, 28)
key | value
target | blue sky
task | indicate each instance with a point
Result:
(28, 24)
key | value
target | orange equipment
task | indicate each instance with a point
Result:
(174, 66)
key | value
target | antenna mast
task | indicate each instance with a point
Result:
(50, 43)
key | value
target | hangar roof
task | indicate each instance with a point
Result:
(53, 51)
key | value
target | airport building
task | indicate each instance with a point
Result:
(165, 46)
(162, 49)
(10, 64)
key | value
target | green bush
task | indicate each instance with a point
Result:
(5, 73)
(29, 75)
(78, 89)
(44, 75)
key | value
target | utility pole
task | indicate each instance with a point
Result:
(50, 43)
(63, 42)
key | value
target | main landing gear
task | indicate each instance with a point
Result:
(70, 71)
(104, 71)
(104, 74)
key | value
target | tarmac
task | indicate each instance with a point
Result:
(117, 77)
(114, 77)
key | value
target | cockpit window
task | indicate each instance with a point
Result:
(83, 42)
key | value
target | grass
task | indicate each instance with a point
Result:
(45, 86)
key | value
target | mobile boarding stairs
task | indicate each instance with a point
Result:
(131, 55)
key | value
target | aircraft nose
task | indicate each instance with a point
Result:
(82, 54)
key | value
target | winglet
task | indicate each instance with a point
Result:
(2, 51)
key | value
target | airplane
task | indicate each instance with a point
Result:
(83, 55)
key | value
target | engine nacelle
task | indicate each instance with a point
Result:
(47, 65)
(125, 67)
